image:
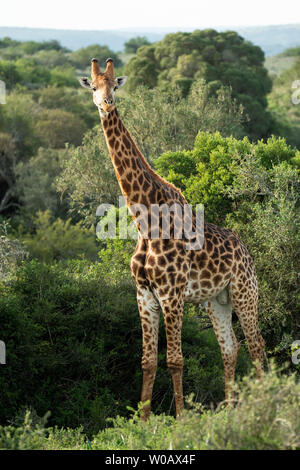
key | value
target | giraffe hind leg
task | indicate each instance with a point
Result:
(221, 318)
(245, 307)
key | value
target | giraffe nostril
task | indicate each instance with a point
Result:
(108, 101)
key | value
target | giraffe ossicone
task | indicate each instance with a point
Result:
(221, 274)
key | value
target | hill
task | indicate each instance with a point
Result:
(272, 39)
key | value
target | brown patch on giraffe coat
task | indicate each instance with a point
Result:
(126, 142)
(112, 142)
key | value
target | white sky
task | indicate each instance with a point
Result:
(117, 14)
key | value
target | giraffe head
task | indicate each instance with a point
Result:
(103, 86)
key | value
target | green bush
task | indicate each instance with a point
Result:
(9, 73)
(266, 416)
(267, 218)
(206, 173)
(73, 343)
(60, 240)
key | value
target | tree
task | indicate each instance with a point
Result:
(8, 159)
(87, 178)
(35, 183)
(206, 173)
(57, 127)
(59, 240)
(31, 73)
(82, 57)
(63, 76)
(76, 101)
(284, 108)
(9, 74)
(222, 58)
(133, 44)
(18, 141)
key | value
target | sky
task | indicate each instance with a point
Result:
(122, 14)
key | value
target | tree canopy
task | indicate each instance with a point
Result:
(132, 45)
(219, 58)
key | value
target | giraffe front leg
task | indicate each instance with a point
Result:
(173, 311)
(149, 314)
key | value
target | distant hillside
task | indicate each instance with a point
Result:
(272, 39)
(75, 39)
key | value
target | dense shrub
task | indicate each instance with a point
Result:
(265, 417)
(205, 173)
(59, 240)
(73, 342)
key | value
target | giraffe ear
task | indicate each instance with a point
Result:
(120, 81)
(84, 82)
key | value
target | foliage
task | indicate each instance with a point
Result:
(87, 177)
(12, 253)
(179, 120)
(35, 186)
(278, 63)
(69, 317)
(285, 111)
(82, 57)
(206, 172)
(132, 45)
(68, 99)
(9, 74)
(28, 436)
(25, 126)
(59, 240)
(267, 219)
(17, 141)
(73, 342)
(265, 417)
(62, 75)
(31, 73)
(219, 58)
(291, 52)
(18, 118)
(57, 127)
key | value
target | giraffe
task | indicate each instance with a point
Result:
(220, 274)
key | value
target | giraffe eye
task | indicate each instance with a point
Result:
(94, 88)
(115, 88)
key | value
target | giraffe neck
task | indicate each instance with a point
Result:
(139, 183)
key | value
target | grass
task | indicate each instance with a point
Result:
(266, 416)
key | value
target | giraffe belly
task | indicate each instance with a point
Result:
(196, 293)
